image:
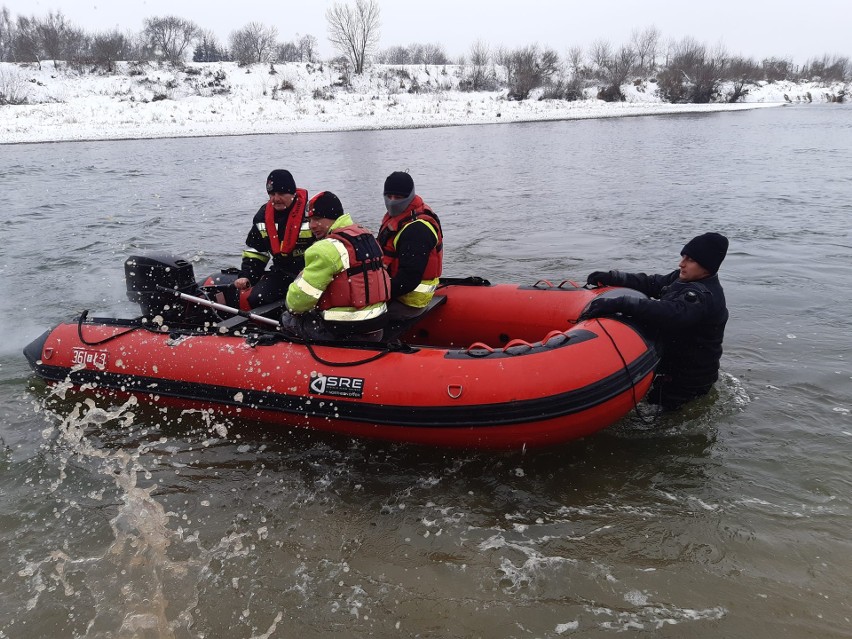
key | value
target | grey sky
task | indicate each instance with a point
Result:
(754, 28)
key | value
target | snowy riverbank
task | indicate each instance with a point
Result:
(149, 101)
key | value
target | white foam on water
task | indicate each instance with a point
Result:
(653, 617)
(138, 589)
(521, 575)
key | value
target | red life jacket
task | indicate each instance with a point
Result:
(295, 218)
(366, 281)
(393, 224)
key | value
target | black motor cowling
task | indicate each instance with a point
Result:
(145, 273)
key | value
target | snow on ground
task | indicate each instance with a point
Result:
(149, 101)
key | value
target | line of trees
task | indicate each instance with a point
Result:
(171, 39)
(685, 70)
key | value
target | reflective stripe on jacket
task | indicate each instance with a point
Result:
(286, 245)
(343, 276)
(389, 234)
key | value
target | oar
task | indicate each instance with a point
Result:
(220, 307)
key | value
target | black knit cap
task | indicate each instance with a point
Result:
(325, 204)
(708, 250)
(399, 183)
(281, 181)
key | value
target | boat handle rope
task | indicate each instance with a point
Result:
(479, 346)
(643, 418)
(82, 319)
(562, 285)
(517, 342)
(545, 283)
(325, 362)
(481, 349)
(571, 282)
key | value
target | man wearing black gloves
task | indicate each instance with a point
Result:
(279, 232)
(687, 312)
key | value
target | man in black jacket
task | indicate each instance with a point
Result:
(279, 233)
(686, 311)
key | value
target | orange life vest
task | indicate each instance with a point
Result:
(366, 281)
(392, 225)
(295, 218)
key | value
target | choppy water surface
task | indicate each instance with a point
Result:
(729, 519)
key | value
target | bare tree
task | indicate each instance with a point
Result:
(574, 58)
(169, 37)
(52, 33)
(354, 31)
(208, 48)
(26, 45)
(502, 56)
(600, 54)
(288, 52)
(479, 77)
(530, 67)
(7, 35)
(741, 72)
(646, 44)
(413, 54)
(614, 71)
(109, 47)
(433, 53)
(396, 54)
(829, 68)
(254, 43)
(693, 73)
(775, 69)
(308, 46)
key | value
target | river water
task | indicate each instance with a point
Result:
(728, 519)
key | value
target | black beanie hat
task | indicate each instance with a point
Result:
(280, 181)
(325, 204)
(708, 250)
(399, 183)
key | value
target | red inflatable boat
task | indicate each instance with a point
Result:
(487, 366)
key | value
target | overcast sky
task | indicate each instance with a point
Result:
(756, 28)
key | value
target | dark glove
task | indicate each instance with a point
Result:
(601, 307)
(601, 278)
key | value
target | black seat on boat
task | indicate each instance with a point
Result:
(399, 327)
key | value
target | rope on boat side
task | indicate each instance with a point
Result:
(643, 418)
(82, 319)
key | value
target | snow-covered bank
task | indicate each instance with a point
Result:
(148, 101)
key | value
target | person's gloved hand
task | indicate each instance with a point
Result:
(601, 278)
(601, 307)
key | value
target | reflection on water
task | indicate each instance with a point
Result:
(126, 518)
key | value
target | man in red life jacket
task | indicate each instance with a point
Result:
(343, 289)
(280, 233)
(413, 246)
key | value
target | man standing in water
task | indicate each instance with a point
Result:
(687, 312)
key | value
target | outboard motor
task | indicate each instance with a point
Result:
(144, 273)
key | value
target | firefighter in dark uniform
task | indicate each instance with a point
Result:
(687, 313)
(413, 245)
(280, 233)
